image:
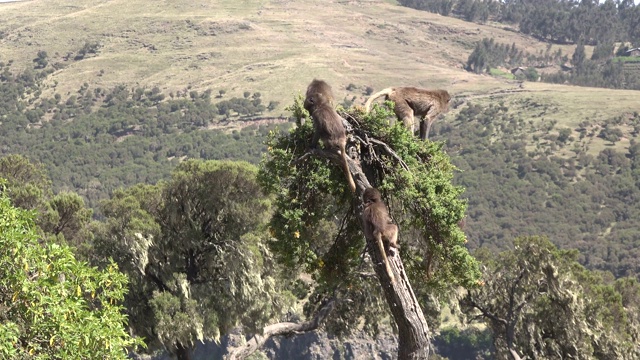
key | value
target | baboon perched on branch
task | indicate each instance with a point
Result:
(327, 124)
(412, 101)
(378, 225)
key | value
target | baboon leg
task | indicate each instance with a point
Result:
(427, 121)
(405, 112)
(408, 123)
(383, 253)
(425, 128)
(393, 240)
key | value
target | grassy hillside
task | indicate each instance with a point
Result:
(275, 47)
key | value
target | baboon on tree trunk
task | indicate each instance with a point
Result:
(412, 101)
(378, 225)
(327, 124)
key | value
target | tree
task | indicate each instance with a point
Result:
(27, 183)
(68, 216)
(194, 249)
(563, 135)
(532, 74)
(30, 188)
(468, 343)
(318, 229)
(41, 61)
(272, 105)
(540, 303)
(54, 306)
(478, 59)
(579, 55)
(611, 133)
(603, 51)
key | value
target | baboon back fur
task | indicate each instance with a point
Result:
(327, 124)
(412, 101)
(378, 225)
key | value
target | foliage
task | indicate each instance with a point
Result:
(194, 249)
(54, 306)
(96, 139)
(27, 183)
(579, 200)
(551, 20)
(469, 343)
(63, 215)
(318, 232)
(539, 301)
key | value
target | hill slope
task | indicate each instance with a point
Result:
(276, 47)
(273, 47)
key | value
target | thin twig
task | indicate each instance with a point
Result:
(390, 152)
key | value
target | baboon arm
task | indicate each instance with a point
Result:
(315, 139)
(427, 121)
(373, 97)
(378, 239)
(392, 235)
(405, 113)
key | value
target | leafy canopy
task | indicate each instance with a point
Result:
(316, 223)
(194, 247)
(543, 302)
(52, 305)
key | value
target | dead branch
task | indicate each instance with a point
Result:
(280, 329)
(389, 152)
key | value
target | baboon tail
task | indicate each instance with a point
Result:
(373, 97)
(347, 173)
(386, 260)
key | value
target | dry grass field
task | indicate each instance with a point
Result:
(276, 47)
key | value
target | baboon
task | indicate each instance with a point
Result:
(410, 101)
(378, 225)
(327, 124)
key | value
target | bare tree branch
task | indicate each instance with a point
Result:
(389, 152)
(486, 312)
(280, 329)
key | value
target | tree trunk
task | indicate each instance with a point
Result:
(183, 352)
(413, 331)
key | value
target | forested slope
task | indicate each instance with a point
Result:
(119, 94)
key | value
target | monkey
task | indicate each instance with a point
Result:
(327, 124)
(410, 101)
(378, 225)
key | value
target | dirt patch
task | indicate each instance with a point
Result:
(226, 124)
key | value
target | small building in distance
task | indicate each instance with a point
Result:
(518, 72)
(566, 67)
(632, 52)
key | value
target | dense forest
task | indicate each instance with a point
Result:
(611, 27)
(603, 69)
(556, 21)
(585, 202)
(94, 141)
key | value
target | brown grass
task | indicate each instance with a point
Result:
(276, 47)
